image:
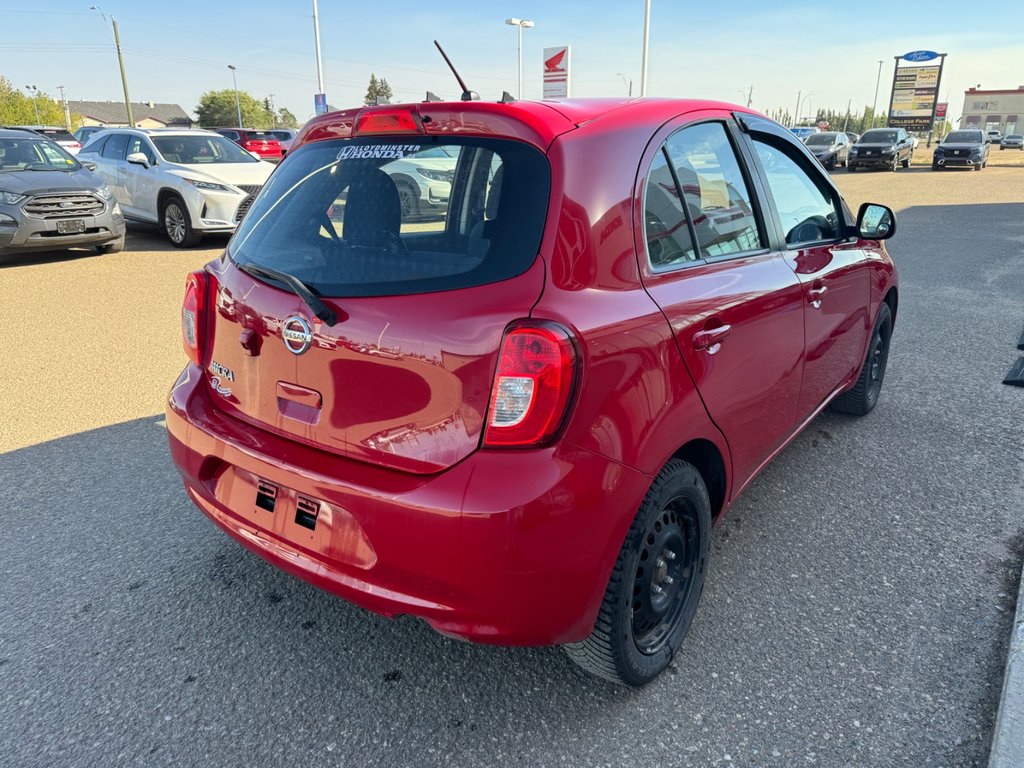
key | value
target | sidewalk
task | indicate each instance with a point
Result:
(1008, 739)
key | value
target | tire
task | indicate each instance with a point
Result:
(177, 225)
(114, 247)
(639, 629)
(850, 167)
(936, 167)
(906, 163)
(978, 166)
(409, 198)
(862, 398)
(895, 163)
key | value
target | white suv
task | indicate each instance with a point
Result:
(189, 182)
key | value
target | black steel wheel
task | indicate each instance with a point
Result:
(656, 583)
(863, 397)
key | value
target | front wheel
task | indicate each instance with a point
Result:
(656, 583)
(860, 400)
(895, 163)
(851, 167)
(409, 199)
(177, 225)
(113, 247)
(906, 163)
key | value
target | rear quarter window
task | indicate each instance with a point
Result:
(373, 217)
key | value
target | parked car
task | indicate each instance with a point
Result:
(994, 137)
(189, 182)
(424, 179)
(803, 131)
(887, 148)
(263, 144)
(563, 402)
(56, 134)
(853, 137)
(50, 201)
(1012, 141)
(285, 136)
(961, 148)
(831, 149)
(86, 132)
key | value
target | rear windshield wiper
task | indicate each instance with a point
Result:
(297, 287)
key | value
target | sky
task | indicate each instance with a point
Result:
(174, 51)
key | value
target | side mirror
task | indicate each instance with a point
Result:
(138, 158)
(875, 222)
(88, 164)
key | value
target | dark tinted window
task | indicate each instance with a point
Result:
(879, 136)
(115, 145)
(822, 139)
(55, 134)
(370, 217)
(804, 201)
(963, 137)
(717, 199)
(668, 235)
(94, 145)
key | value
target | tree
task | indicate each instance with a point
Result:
(16, 107)
(286, 118)
(378, 92)
(217, 108)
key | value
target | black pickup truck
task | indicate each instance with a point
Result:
(882, 148)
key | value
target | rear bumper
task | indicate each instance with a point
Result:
(507, 547)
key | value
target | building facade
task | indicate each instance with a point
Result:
(147, 114)
(1001, 110)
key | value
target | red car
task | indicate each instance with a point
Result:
(263, 144)
(520, 422)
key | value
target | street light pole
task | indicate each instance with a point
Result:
(521, 24)
(319, 60)
(647, 37)
(238, 104)
(35, 100)
(874, 104)
(627, 83)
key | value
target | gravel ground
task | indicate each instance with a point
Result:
(856, 610)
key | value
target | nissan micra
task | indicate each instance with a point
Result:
(519, 420)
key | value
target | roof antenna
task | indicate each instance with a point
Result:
(507, 98)
(467, 95)
(431, 96)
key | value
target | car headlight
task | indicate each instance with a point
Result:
(10, 198)
(116, 210)
(105, 192)
(198, 184)
(435, 175)
(5, 219)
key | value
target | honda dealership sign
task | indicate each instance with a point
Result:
(556, 72)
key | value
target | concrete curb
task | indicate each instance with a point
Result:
(1008, 739)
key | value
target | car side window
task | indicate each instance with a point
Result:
(233, 135)
(115, 146)
(669, 242)
(94, 147)
(139, 144)
(806, 205)
(718, 202)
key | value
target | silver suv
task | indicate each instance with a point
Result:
(50, 201)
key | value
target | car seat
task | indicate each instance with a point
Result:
(373, 211)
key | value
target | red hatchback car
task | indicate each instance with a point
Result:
(263, 144)
(518, 421)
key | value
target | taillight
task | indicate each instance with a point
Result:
(193, 316)
(533, 385)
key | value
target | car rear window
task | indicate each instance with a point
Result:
(260, 136)
(375, 217)
(56, 134)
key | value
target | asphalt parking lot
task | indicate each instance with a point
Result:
(856, 611)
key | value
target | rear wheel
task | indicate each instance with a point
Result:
(656, 583)
(176, 223)
(409, 198)
(906, 163)
(860, 400)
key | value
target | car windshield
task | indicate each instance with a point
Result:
(963, 137)
(821, 139)
(1015, 136)
(878, 137)
(34, 155)
(374, 217)
(200, 150)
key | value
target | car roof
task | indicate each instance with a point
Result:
(166, 131)
(17, 132)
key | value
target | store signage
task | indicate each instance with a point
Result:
(920, 56)
(557, 72)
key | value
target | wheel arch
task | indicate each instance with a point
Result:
(709, 462)
(164, 195)
(892, 298)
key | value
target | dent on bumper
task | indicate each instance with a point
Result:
(511, 547)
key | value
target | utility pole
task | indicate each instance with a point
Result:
(846, 122)
(874, 104)
(67, 112)
(647, 36)
(750, 97)
(124, 77)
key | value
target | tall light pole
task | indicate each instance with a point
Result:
(627, 83)
(238, 104)
(120, 63)
(521, 24)
(874, 104)
(796, 115)
(647, 36)
(35, 100)
(319, 63)
(67, 110)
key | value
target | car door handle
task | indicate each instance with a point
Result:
(711, 339)
(814, 295)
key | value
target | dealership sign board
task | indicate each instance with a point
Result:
(557, 72)
(915, 92)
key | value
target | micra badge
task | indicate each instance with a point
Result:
(221, 375)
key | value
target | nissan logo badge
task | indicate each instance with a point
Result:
(296, 336)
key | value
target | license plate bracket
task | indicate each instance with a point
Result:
(71, 226)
